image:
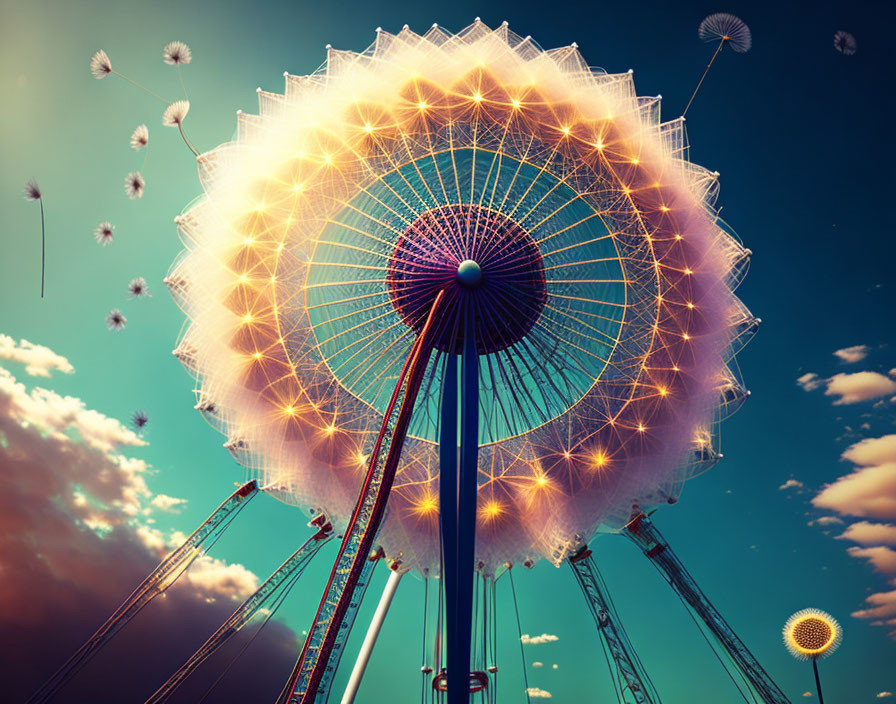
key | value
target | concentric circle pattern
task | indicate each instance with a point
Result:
(562, 220)
(489, 267)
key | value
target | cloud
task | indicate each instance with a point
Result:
(883, 695)
(859, 386)
(810, 381)
(883, 558)
(883, 608)
(853, 354)
(791, 484)
(58, 415)
(72, 547)
(169, 504)
(807, 694)
(537, 640)
(537, 664)
(537, 693)
(38, 360)
(866, 533)
(826, 521)
(870, 490)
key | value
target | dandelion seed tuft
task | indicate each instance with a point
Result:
(100, 65)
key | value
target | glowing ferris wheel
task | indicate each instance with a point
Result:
(470, 302)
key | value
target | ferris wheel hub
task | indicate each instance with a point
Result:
(500, 279)
(469, 273)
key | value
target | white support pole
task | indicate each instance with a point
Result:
(354, 681)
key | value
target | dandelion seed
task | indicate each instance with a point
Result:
(140, 137)
(33, 193)
(100, 65)
(103, 233)
(845, 43)
(176, 53)
(175, 113)
(138, 288)
(32, 190)
(174, 117)
(139, 420)
(725, 29)
(134, 185)
(115, 320)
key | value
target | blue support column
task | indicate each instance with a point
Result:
(448, 502)
(466, 515)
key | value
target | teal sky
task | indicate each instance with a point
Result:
(803, 139)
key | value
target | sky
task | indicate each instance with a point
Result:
(801, 137)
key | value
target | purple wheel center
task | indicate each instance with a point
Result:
(488, 265)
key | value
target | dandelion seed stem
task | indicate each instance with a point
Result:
(708, 66)
(145, 157)
(141, 87)
(43, 248)
(181, 77)
(187, 141)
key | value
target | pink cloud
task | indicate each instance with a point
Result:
(866, 533)
(72, 547)
(853, 354)
(38, 360)
(859, 386)
(870, 490)
(883, 558)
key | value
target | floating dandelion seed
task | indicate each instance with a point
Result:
(176, 53)
(725, 29)
(115, 320)
(812, 634)
(174, 117)
(139, 420)
(134, 185)
(139, 137)
(103, 233)
(138, 288)
(32, 193)
(845, 43)
(100, 65)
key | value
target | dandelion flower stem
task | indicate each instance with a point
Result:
(43, 248)
(708, 66)
(187, 141)
(817, 680)
(140, 86)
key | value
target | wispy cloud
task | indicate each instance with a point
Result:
(537, 640)
(883, 695)
(853, 354)
(882, 557)
(870, 490)
(866, 533)
(169, 504)
(38, 360)
(537, 693)
(791, 484)
(810, 381)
